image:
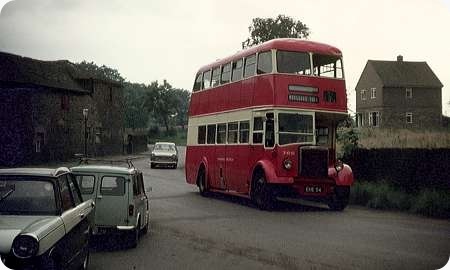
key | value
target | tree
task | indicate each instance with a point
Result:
(104, 72)
(264, 29)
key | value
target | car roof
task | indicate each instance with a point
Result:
(165, 143)
(103, 169)
(47, 172)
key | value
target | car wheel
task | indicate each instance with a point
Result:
(175, 166)
(134, 237)
(85, 264)
(145, 229)
(261, 193)
(201, 183)
(152, 165)
(49, 263)
(340, 199)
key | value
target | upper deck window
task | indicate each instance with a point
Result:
(226, 74)
(250, 66)
(215, 77)
(237, 70)
(206, 79)
(198, 82)
(293, 62)
(328, 66)
(295, 128)
(264, 62)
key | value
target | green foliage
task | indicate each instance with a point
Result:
(90, 69)
(265, 29)
(348, 139)
(433, 203)
(178, 137)
(381, 195)
(136, 114)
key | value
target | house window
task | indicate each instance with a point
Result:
(359, 120)
(408, 93)
(373, 93)
(363, 94)
(65, 102)
(374, 119)
(409, 118)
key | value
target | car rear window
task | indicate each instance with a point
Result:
(112, 186)
(20, 196)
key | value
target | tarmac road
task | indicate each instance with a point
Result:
(220, 232)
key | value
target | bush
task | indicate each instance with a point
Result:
(379, 195)
(432, 203)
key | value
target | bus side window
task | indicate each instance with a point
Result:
(237, 71)
(250, 66)
(211, 139)
(215, 77)
(198, 82)
(243, 131)
(226, 72)
(206, 80)
(258, 130)
(201, 139)
(264, 62)
(270, 130)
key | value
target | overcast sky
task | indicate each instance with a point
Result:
(170, 39)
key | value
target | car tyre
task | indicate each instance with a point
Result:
(340, 198)
(134, 236)
(261, 193)
(86, 259)
(145, 229)
(152, 165)
(175, 166)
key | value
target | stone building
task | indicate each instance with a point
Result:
(41, 111)
(398, 94)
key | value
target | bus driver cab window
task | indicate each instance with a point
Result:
(270, 130)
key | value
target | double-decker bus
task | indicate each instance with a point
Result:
(262, 124)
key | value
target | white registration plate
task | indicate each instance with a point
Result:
(313, 189)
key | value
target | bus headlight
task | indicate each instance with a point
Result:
(25, 246)
(339, 165)
(287, 163)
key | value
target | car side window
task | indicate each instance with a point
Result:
(76, 195)
(135, 186)
(141, 183)
(66, 196)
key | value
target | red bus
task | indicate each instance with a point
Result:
(262, 125)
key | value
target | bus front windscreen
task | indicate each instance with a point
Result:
(295, 128)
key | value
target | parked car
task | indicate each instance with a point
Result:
(44, 222)
(164, 154)
(122, 205)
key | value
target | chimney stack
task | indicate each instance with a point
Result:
(399, 58)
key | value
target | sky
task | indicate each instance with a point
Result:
(171, 39)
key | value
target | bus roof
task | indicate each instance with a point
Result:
(287, 44)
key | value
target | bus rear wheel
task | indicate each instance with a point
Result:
(201, 182)
(261, 193)
(340, 199)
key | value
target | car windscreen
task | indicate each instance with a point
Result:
(165, 147)
(20, 196)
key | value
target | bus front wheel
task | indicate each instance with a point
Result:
(261, 193)
(340, 198)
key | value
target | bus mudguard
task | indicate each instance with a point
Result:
(270, 173)
(344, 177)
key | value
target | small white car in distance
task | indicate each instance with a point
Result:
(164, 154)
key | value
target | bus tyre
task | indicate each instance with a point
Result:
(262, 193)
(201, 183)
(340, 199)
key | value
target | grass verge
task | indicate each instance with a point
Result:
(382, 195)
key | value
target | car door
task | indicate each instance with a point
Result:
(112, 200)
(139, 198)
(75, 218)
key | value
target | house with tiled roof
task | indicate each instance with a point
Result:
(398, 94)
(41, 111)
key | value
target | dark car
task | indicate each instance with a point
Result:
(44, 222)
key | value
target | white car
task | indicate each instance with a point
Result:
(164, 154)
